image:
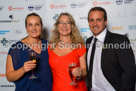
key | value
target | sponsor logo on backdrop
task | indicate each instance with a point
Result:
(7, 86)
(132, 27)
(119, 2)
(1, 7)
(78, 4)
(30, 7)
(55, 17)
(4, 41)
(10, 20)
(3, 53)
(3, 32)
(18, 32)
(73, 5)
(2, 75)
(11, 17)
(96, 3)
(11, 8)
(117, 28)
(83, 18)
(128, 1)
(35, 7)
(7, 43)
(82, 4)
(85, 29)
(53, 6)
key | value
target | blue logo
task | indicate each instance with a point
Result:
(85, 29)
(132, 27)
(55, 17)
(4, 41)
(119, 2)
(30, 7)
(11, 17)
(2, 32)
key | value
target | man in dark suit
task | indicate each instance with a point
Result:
(111, 66)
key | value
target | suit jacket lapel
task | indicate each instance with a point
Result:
(106, 41)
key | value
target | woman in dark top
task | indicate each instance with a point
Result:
(19, 67)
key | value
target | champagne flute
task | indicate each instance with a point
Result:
(73, 78)
(32, 57)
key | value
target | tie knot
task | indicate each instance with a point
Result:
(95, 39)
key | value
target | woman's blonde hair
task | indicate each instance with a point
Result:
(74, 35)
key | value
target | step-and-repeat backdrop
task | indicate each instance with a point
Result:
(121, 19)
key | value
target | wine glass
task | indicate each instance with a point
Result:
(32, 57)
(73, 78)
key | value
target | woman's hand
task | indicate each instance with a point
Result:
(77, 72)
(29, 65)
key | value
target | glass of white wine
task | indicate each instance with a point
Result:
(32, 57)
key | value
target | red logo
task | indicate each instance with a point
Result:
(2, 75)
(10, 8)
(52, 6)
(16, 8)
(95, 3)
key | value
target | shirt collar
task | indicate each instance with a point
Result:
(102, 35)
